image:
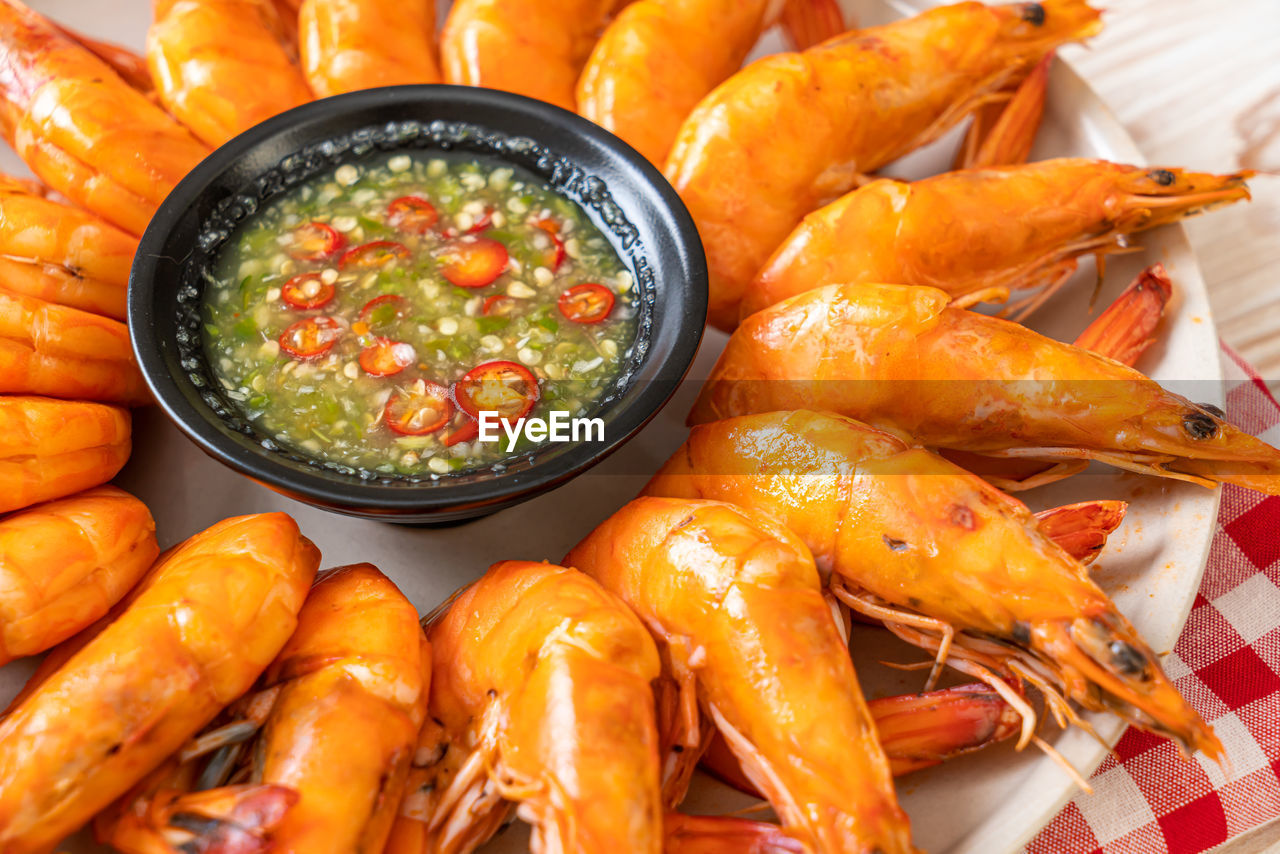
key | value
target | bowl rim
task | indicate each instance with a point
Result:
(438, 499)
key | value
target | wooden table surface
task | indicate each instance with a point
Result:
(1197, 83)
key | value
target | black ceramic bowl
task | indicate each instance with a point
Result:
(622, 193)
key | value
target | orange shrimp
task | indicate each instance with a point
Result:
(51, 448)
(86, 132)
(220, 66)
(65, 352)
(326, 738)
(791, 131)
(359, 44)
(903, 358)
(65, 563)
(942, 556)
(193, 636)
(658, 58)
(979, 234)
(736, 604)
(540, 694)
(60, 253)
(531, 47)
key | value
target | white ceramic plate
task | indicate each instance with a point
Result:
(987, 803)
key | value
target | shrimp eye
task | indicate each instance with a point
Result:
(1200, 425)
(1163, 177)
(1033, 14)
(1215, 411)
(1127, 659)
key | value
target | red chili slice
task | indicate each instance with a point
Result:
(395, 301)
(315, 241)
(385, 357)
(586, 303)
(464, 433)
(307, 291)
(485, 220)
(473, 262)
(552, 228)
(373, 255)
(506, 388)
(423, 408)
(412, 214)
(499, 305)
(310, 338)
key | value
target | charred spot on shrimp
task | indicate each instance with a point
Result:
(1200, 425)
(1215, 411)
(1163, 177)
(963, 517)
(894, 545)
(1033, 14)
(1021, 632)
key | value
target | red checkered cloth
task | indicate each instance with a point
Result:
(1147, 799)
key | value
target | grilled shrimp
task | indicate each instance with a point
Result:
(326, 738)
(65, 352)
(933, 551)
(902, 358)
(62, 254)
(979, 234)
(359, 44)
(51, 448)
(65, 563)
(86, 132)
(220, 66)
(736, 604)
(531, 47)
(540, 695)
(193, 636)
(791, 131)
(658, 58)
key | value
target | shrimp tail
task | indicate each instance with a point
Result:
(1002, 134)
(806, 23)
(1127, 327)
(722, 834)
(1082, 529)
(916, 730)
(231, 820)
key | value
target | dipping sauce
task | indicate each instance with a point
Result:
(367, 317)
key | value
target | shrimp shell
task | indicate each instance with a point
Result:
(348, 45)
(58, 351)
(65, 563)
(86, 132)
(51, 448)
(193, 636)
